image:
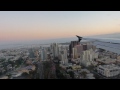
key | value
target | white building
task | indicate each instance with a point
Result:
(75, 53)
(65, 53)
(88, 57)
(64, 58)
(118, 57)
(55, 49)
(108, 70)
(43, 54)
(106, 60)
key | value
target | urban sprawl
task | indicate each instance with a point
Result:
(74, 60)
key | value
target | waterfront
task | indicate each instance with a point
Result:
(114, 46)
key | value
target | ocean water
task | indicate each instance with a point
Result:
(109, 44)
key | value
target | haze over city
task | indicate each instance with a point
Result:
(40, 25)
(59, 45)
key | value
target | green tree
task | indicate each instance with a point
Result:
(71, 73)
(83, 74)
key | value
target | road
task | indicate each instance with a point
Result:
(40, 70)
(53, 68)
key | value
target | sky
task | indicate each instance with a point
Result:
(35, 25)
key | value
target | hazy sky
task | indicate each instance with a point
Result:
(30, 25)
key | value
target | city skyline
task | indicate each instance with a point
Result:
(59, 45)
(35, 25)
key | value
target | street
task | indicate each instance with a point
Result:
(40, 70)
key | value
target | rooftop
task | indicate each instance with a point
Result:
(4, 77)
(112, 66)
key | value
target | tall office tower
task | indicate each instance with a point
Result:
(93, 47)
(64, 58)
(55, 49)
(59, 49)
(84, 47)
(65, 54)
(89, 46)
(43, 54)
(88, 56)
(79, 49)
(72, 44)
(75, 53)
(51, 48)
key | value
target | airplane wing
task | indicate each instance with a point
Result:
(108, 44)
(105, 40)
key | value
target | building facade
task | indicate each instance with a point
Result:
(43, 54)
(55, 50)
(71, 46)
(108, 70)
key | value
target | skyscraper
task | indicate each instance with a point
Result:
(79, 49)
(84, 46)
(43, 54)
(71, 46)
(75, 53)
(65, 53)
(55, 49)
(64, 58)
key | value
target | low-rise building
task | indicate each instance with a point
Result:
(63, 66)
(106, 60)
(90, 76)
(76, 67)
(118, 57)
(88, 57)
(84, 70)
(16, 74)
(108, 70)
(4, 77)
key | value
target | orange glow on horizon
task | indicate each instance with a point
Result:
(33, 34)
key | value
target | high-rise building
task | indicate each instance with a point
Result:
(79, 49)
(43, 54)
(65, 54)
(88, 57)
(71, 46)
(63, 57)
(89, 46)
(59, 49)
(93, 47)
(84, 47)
(75, 53)
(46, 54)
(55, 50)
